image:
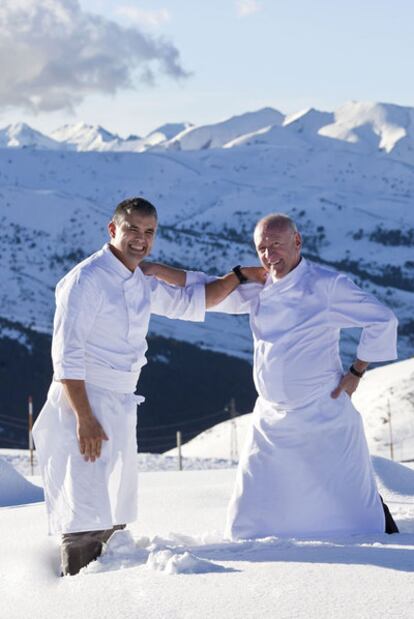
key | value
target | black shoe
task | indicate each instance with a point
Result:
(390, 526)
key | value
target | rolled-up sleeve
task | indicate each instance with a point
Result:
(77, 303)
(352, 307)
(187, 303)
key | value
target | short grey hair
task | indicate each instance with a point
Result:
(277, 220)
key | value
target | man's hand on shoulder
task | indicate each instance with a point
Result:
(255, 274)
(165, 273)
(149, 268)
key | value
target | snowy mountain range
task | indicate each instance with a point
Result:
(346, 177)
(361, 127)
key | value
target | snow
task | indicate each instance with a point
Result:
(20, 135)
(15, 489)
(174, 562)
(380, 125)
(349, 200)
(219, 134)
(83, 137)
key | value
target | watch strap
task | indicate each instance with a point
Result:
(238, 273)
(356, 372)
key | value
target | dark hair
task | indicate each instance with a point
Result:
(133, 205)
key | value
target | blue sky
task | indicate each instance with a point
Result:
(243, 55)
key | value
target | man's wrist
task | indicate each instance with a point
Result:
(238, 273)
(358, 369)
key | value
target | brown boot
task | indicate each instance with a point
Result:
(80, 549)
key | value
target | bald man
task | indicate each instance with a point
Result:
(305, 469)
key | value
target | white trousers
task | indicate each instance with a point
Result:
(305, 472)
(80, 495)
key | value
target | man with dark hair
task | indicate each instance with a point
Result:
(86, 433)
(128, 206)
(305, 468)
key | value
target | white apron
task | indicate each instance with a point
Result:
(80, 495)
(305, 472)
(305, 469)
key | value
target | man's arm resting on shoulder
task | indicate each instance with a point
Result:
(216, 291)
(350, 381)
(89, 431)
(170, 275)
(220, 288)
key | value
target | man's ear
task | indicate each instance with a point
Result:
(112, 229)
(298, 240)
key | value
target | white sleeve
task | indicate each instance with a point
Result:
(237, 302)
(352, 307)
(77, 302)
(187, 303)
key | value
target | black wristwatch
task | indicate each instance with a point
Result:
(237, 271)
(355, 372)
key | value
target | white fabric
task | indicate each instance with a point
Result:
(102, 316)
(88, 496)
(101, 322)
(305, 468)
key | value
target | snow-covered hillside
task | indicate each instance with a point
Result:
(20, 135)
(83, 137)
(219, 134)
(354, 210)
(383, 391)
(386, 127)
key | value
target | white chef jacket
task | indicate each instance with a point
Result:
(102, 316)
(296, 323)
(101, 322)
(305, 468)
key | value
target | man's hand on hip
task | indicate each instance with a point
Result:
(348, 383)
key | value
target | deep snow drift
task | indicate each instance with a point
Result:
(173, 562)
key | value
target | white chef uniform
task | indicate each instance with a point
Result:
(305, 468)
(101, 322)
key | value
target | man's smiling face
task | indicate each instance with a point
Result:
(278, 248)
(132, 238)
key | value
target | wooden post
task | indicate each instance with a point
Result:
(30, 410)
(234, 452)
(390, 431)
(180, 461)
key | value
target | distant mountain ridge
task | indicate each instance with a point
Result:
(363, 127)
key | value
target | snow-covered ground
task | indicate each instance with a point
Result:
(173, 561)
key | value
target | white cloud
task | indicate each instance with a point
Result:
(141, 17)
(53, 54)
(247, 7)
